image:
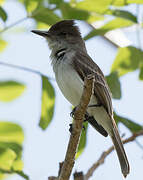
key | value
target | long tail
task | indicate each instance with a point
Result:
(120, 150)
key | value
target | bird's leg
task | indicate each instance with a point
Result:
(73, 111)
(72, 115)
(71, 127)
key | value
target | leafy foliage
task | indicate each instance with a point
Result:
(122, 14)
(128, 59)
(3, 45)
(3, 14)
(48, 101)
(9, 90)
(11, 139)
(114, 84)
(131, 125)
(111, 25)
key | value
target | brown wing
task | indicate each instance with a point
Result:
(84, 66)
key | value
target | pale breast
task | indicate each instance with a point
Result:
(69, 82)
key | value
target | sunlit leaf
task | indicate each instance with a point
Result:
(48, 102)
(69, 12)
(31, 5)
(1, 2)
(11, 138)
(3, 44)
(127, 60)
(131, 125)
(94, 5)
(10, 132)
(7, 157)
(9, 90)
(123, 14)
(83, 140)
(135, 1)
(141, 71)
(41, 25)
(45, 15)
(126, 2)
(111, 25)
(3, 14)
(114, 84)
(17, 165)
(17, 148)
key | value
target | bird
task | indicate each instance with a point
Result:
(71, 64)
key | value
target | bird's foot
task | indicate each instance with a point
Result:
(73, 111)
(71, 128)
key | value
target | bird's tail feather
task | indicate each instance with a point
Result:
(120, 150)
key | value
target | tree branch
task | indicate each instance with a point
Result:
(101, 160)
(14, 24)
(24, 69)
(76, 129)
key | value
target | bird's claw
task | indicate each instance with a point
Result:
(72, 113)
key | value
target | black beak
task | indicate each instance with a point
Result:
(41, 33)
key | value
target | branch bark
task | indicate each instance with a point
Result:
(76, 129)
(101, 160)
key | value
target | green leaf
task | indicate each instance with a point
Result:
(127, 60)
(94, 5)
(122, 14)
(9, 90)
(55, 1)
(7, 157)
(111, 25)
(83, 139)
(131, 125)
(1, 2)
(45, 15)
(17, 148)
(48, 102)
(3, 45)
(3, 14)
(126, 2)
(135, 1)
(17, 165)
(31, 5)
(141, 71)
(11, 138)
(114, 84)
(11, 132)
(69, 12)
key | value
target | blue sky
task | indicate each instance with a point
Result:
(43, 150)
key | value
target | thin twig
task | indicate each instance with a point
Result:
(109, 40)
(14, 24)
(24, 69)
(76, 129)
(101, 160)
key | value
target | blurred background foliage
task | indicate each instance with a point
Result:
(112, 14)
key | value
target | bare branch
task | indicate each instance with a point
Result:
(76, 129)
(25, 69)
(106, 153)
